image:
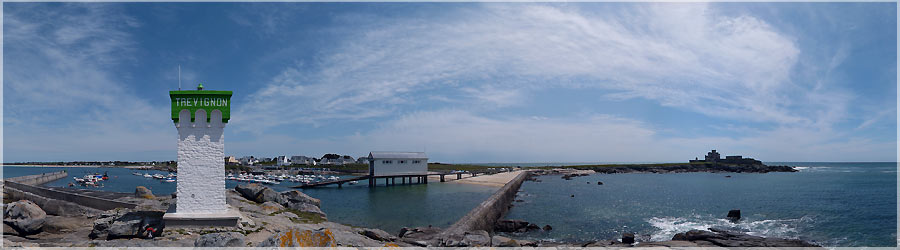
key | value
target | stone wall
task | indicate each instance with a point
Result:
(485, 215)
(39, 179)
(45, 197)
(201, 163)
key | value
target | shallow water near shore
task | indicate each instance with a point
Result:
(387, 208)
(832, 204)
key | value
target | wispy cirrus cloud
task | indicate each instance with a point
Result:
(734, 67)
(682, 55)
(62, 88)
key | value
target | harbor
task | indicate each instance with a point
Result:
(559, 125)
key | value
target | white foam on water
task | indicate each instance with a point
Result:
(669, 226)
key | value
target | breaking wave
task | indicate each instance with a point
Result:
(669, 226)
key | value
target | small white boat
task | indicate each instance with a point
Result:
(136, 173)
(148, 176)
(170, 180)
(353, 182)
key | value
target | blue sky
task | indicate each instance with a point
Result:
(466, 82)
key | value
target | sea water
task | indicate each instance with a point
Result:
(832, 204)
(389, 208)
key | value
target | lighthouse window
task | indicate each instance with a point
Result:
(416, 162)
(401, 162)
(387, 162)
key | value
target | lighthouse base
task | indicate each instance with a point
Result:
(231, 218)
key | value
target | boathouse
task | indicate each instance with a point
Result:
(397, 163)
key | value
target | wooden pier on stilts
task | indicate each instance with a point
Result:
(390, 180)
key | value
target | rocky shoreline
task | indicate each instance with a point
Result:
(290, 219)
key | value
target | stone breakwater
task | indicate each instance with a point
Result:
(672, 168)
(483, 217)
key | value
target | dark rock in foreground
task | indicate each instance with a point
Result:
(725, 238)
(377, 234)
(477, 238)
(124, 223)
(230, 239)
(143, 192)
(24, 217)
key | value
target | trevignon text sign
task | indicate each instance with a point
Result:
(194, 100)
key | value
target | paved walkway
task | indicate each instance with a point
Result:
(494, 180)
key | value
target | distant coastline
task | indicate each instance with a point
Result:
(76, 166)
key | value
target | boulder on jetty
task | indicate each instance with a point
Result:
(421, 236)
(125, 223)
(250, 191)
(734, 215)
(547, 228)
(301, 238)
(24, 217)
(500, 241)
(295, 196)
(229, 239)
(301, 202)
(377, 234)
(477, 238)
(292, 199)
(725, 238)
(599, 183)
(143, 192)
(602, 243)
(514, 226)
(271, 207)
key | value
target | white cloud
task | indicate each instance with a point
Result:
(687, 56)
(63, 96)
(681, 55)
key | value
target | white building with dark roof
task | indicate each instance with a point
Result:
(397, 163)
(302, 160)
(282, 161)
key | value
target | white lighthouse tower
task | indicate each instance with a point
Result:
(200, 117)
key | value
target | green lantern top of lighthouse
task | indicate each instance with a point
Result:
(194, 100)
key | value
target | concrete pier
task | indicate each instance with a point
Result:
(38, 179)
(485, 215)
(53, 200)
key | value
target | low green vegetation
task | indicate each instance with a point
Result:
(237, 168)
